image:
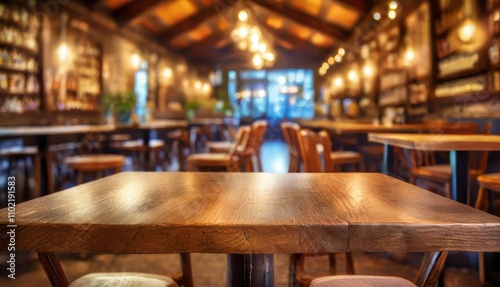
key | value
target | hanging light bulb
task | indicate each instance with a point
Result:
(63, 52)
(338, 82)
(135, 59)
(368, 71)
(243, 15)
(352, 75)
(392, 14)
(338, 58)
(467, 30)
(257, 61)
(377, 16)
(409, 57)
(331, 60)
(393, 5)
(341, 51)
(269, 56)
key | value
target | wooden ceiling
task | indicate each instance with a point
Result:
(303, 31)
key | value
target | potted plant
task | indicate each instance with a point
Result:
(121, 105)
(191, 107)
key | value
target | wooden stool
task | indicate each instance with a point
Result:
(229, 161)
(95, 163)
(487, 183)
(26, 153)
(123, 280)
(139, 150)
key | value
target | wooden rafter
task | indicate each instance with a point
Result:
(191, 22)
(361, 5)
(332, 30)
(90, 3)
(132, 10)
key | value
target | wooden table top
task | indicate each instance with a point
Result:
(157, 124)
(245, 213)
(212, 121)
(346, 127)
(53, 130)
(439, 142)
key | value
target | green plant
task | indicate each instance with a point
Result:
(120, 102)
(191, 105)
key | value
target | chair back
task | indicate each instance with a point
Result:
(315, 149)
(291, 135)
(259, 129)
(479, 160)
(239, 151)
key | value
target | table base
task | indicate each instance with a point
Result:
(250, 270)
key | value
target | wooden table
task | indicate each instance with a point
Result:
(361, 128)
(42, 134)
(250, 216)
(148, 128)
(457, 145)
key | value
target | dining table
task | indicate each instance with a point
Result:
(248, 216)
(42, 135)
(148, 129)
(458, 146)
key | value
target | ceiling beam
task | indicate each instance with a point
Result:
(133, 10)
(332, 30)
(206, 44)
(193, 21)
(360, 5)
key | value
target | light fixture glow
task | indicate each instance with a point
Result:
(257, 61)
(282, 80)
(393, 5)
(368, 71)
(197, 85)
(409, 56)
(341, 51)
(243, 15)
(467, 30)
(377, 16)
(167, 73)
(63, 52)
(338, 82)
(338, 58)
(352, 75)
(135, 59)
(392, 14)
(331, 60)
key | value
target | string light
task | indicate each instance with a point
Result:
(377, 16)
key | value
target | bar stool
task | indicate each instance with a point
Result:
(487, 183)
(83, 164)
(138, 150)
(231, 161)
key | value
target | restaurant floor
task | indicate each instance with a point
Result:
(209, 269)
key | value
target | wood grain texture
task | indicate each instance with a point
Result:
(53, 130)
(123, 279)
(439, 142)
(246, 213)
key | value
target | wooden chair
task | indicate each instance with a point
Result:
(312, 145)
(291, 135)
(94, 164)
(53, 270)
(487, 183)
(428, 275)
(256, 139)
(425, 169)
(229, 161)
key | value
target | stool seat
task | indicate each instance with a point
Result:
(123, 280)
(220, 147)
(138, 145)
(19, 151)
(490, 181)
(361, 281)
(438, 172)
(209, 159)
(345, 157)
(95, 162)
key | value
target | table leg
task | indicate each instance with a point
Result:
(459, 161)
(45, 173)
(53, 269)
(256, 270)
(146, 136)
(387, 167)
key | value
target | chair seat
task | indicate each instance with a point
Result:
(138, 145)
(438, 172)
(95, 162)
(209, 159)
(490, 181)
(123, 280)
(345, 157)
(361, 281)
(220, 147)
(19, 151)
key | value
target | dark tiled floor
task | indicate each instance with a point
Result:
(209, 269)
